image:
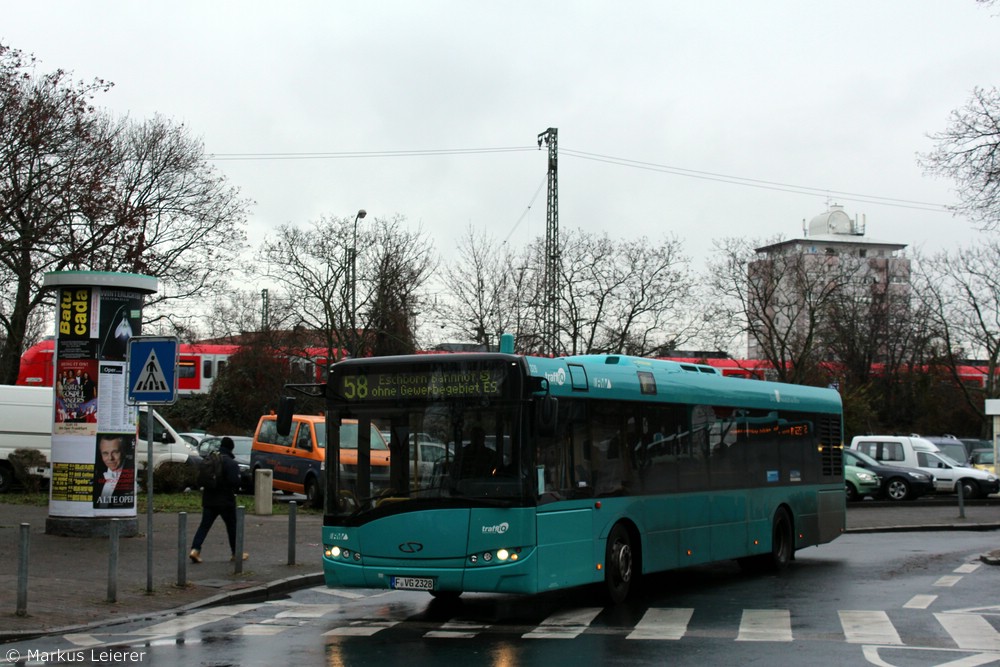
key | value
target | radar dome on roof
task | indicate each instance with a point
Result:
(834, 221)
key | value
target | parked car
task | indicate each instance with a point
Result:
(918, 452)
(972, 444)
(949, 474)
(952, 446)
(897, 450)
(895, 482)
(194, 437)
(859, 482)
(241, 452)
(983, 460)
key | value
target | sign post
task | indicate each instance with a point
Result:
(152, 379)
(993, 409)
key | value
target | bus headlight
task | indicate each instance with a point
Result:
(500, 555)
(333, 551)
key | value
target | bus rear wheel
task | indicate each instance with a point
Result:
(782, 544)
(782, 547)
(619, 561)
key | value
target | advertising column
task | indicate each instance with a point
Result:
(94, 471)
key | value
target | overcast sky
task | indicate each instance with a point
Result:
(810, 99)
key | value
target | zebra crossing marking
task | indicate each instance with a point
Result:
(183, 624)
(565, 624)
(670, 624)
(360, 629)
(260, 630)
(948, 581)
(970, 631)
(457, 630)
(765, 625)
(868, 627)
(920, 602)
(339, 592)
(308, 611)
(83, 640)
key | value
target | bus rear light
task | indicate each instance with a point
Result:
(756, 542)
(689, 552)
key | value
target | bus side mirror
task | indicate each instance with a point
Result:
(286, 409)
(546, 415)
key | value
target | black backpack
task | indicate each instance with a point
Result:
(210, 471)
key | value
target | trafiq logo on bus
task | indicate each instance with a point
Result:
(559, 377)
(498, 529)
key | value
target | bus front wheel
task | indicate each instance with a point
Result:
(618, 564)
(447, 596)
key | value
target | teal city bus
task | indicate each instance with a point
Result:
(598, 469)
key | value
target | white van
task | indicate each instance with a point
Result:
(917, 452)
(25, 423)
(168, 445)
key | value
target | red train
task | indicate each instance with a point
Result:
(199, 364)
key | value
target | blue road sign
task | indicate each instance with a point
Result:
(152, 369)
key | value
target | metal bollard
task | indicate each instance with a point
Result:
(113, 530)
(961, 499)
(238, 555)
(182, 549)
(292, 510)
(22, 571)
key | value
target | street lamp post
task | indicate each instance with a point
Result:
(354, 284)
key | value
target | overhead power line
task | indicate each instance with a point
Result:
(755, 182)
(365, 154)
(597, 157)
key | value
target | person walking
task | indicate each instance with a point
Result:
(219, 499)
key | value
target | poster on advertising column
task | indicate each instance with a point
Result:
(114, 481)
(93, 432)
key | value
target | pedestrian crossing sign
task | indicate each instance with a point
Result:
(152, 369)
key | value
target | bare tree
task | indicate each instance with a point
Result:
(174, 216)
(395, 267)
(81, 191)
(311, 266)
(968, 152)
(962, 290)
(54, 161)
(779, 302)
(622, 296)
(491, 290)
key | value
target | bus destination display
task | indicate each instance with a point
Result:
(430, 385)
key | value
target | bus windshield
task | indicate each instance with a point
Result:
(444, 447)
